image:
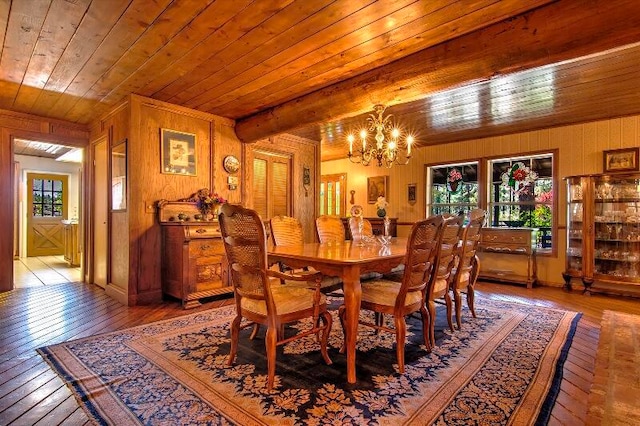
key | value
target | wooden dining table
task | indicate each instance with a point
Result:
(347, 260)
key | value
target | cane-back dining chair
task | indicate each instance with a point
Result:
(259, 296)
(354, 227)
(401, 299)
(287, 231)
(465, 273)
(445, 260)
(330, 228)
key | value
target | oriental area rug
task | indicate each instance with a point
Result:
(503, 367)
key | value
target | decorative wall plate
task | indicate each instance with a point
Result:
(231, 164)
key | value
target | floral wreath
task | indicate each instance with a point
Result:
(518, 178)
(453, 179)
(356, 211)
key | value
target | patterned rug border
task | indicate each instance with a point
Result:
(82, 385)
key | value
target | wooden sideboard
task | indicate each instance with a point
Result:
(377, 225)
(509, 241)
(194, 264)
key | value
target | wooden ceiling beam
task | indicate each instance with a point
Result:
(558, 32)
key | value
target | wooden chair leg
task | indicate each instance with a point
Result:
(471, 299)
(270, 343)
(235, 335)
(326, 330)
(401, 334)
(426, 321)
(254, 332)
(431, 306)
(457, 300)
(447, 300)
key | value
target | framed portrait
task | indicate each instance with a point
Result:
(178, 152)
(377, 187)
(621, 160)
(119, 176)
(411, 193)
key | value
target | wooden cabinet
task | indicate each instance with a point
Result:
(193, 258)
(71, 243)
(509, 242)
(377, 225)
(603, 232)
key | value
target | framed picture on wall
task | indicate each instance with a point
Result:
(621, 160)
(411, 193)
(178, 152)
(377, 187)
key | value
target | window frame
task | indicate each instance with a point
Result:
(484, 188)
(429, 183)
(486, 205)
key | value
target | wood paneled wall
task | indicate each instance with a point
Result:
(16, 125)
(135, 269)
(580, 152)
(305, 153)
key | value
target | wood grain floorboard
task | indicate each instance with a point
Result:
(31, 393)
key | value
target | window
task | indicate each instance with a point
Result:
(271, 184)
(333, 196)
(521, 195)
(452, 188)
(47, 198)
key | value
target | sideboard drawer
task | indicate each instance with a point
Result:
(206, 248)
(202, 231)
(519, 237)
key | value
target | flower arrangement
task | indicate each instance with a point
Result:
(454, 177)
(518, 177)
(207, 201)
(381, 205)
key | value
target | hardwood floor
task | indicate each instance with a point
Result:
(32, 394)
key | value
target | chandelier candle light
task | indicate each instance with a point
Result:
(387, 148)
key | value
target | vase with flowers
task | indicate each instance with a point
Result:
(208, 203)
(381, 206)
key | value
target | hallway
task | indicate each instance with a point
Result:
(43, 271)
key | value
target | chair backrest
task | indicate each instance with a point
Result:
(469, 244)
(367, 229)
(446, 254)
(330, 228)
(286, 231)
(422, 248)
(245, 242)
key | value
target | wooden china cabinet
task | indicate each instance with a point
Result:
(603, 232)
(194, 264)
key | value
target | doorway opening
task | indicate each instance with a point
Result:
(47, 245)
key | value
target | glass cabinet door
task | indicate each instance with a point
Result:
(617, 227)
(575, 224)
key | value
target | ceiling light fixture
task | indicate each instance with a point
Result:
(388, 147)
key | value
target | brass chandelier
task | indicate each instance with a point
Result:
(388, 148)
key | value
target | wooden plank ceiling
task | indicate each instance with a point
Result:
(449, 70)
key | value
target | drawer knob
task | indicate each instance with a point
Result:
(205, 247)
(201, 231)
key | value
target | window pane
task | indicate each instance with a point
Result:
(57, 185)
(47, 185)
(521, 194)
(37, 184)
(37, 210)
(454, 188)
(57, 210)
